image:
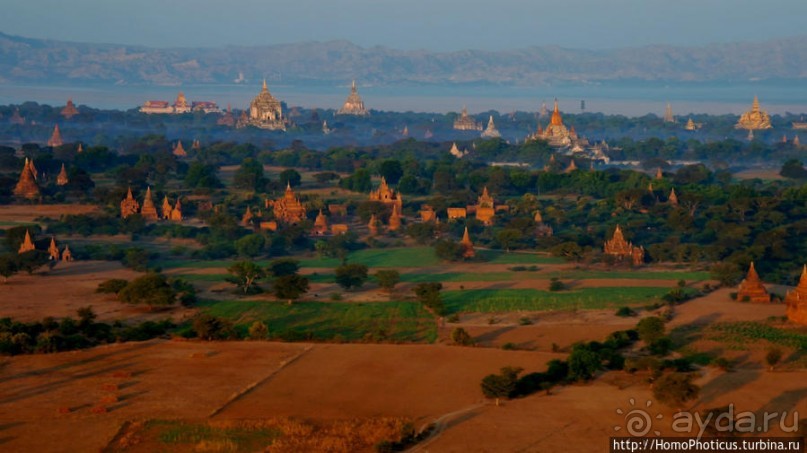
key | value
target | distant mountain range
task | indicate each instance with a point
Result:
(57, 62)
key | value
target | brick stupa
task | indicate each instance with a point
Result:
(321, 224)
(26, 187)
(62, 179)
(149, 211)
(373, 225)
(53, 250)
(467, 245)
(796, 301)
(27, 244)
(56, 138)
(752, 290)
(395, 219)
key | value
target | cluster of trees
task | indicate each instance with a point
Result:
(153, 290)
(54, 335)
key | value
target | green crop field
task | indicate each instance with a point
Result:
(632, 275)
(501, 300)
(739, 334)
(501, 257)
(348, 321)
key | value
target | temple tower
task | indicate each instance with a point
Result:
(796, 301)
(55, 138)
(751, 288)
(27, 244)
(149, 211)
(467, 245)
(61, 179)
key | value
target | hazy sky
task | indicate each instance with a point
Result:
(413, 24)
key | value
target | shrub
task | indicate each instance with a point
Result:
(258, 331)
(625, 312)
(209, 327)
(556, 285)
(772, 357)
(111, 286)
(461, 337)
(502, 385)
(150, 289)
(675, 389)
(650, 329)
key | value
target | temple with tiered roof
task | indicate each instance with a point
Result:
(754, 119)
(556, 132)
(668, 114)
(466, 122)
(385, 194)
(796, 301)
(129, 206)
(181, 104)
(266, 112)
(618, 247)
(288, 209)
(320, 224)
(69, 110)
(485, 209)
(751, 288)
(354, 104)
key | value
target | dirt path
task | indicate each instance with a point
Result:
(444, 421)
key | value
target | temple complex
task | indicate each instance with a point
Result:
(148, 211)
(467, 245)
(27, 244)
(69, 110)
(53, 250)
(227, 119)
(556, 132)
(353, 105)
(394, 219)
(385, 194)
(796, 301)
(751, 288)
(181, 104)
(691, 125)
(456, 151)
(205, 107)
(179, 151)
(288, 209)
(466, 123)
(373, 225)
(26, 187)
(61, 178)
(266, 112)
(485, 209)
(129, 205)
(622, 249)
(150, 107)
(320, 224)
(754, 119)
(491, 131)
(668, 114)
(456, 213)
(55, 138)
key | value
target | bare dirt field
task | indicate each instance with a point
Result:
(69, 286)
(27, 213)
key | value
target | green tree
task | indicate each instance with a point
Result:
(151, 289)
(290, 287)
(583, 363)
(675, 389)
(350, 276)
(429, 295)
(391, 170)
(794, 169)
(111, 286)
(250, 245)
(727, 273)
(202, 176)
(508, 237)
(245, 274)
(250, 176)
(650, 329)
(136, 259)
(501, 385)
(8, 266)
(32, 260)
(387, 279)
(283, 266)
(209, 327)
(290, 176)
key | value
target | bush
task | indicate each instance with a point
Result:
(675, 389)
(556, 285)
(258, 331)
(151, 289)
(111, 286)
(502, 385)
(461, 337)
(650, 329)
(351, 275)
(773, 356)
(625, 312)
(209, 327)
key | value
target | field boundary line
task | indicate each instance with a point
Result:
(236, 396)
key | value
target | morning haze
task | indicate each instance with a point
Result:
(439, 25)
